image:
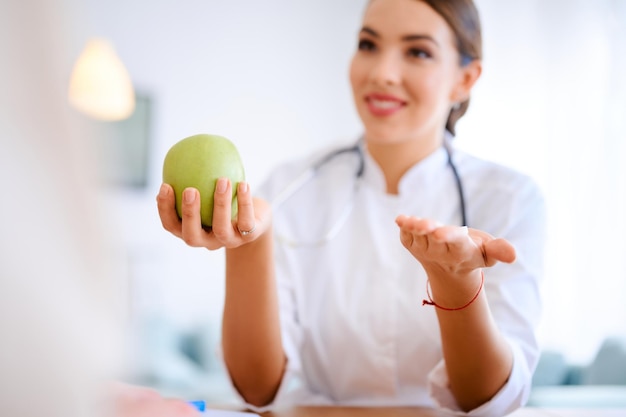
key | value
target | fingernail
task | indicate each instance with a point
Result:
(222, 183)
(189, 195)
(163, 190)
(243, 187)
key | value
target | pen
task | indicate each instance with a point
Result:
(200, 405)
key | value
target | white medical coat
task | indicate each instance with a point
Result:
(354, 328)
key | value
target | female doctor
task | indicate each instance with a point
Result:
(325, 275)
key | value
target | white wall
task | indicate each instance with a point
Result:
(272, 76)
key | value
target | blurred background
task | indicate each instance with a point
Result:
(273, 77)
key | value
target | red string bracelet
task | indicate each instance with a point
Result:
(430, 301)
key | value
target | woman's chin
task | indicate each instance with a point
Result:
(384, 136)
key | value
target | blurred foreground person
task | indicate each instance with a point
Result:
(60, 299)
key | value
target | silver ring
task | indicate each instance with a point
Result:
(246, 232)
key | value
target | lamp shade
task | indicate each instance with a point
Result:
(100, 85)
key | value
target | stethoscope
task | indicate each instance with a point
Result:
(357, 149)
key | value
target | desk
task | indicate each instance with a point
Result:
(424, 412)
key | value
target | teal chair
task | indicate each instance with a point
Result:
(602, 383)
(609, 365)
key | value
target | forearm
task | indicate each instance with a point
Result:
(251, 339)
(478, 358)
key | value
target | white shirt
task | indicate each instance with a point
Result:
(354, 328)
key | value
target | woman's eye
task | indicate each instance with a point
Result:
(366, 45)
(418, 53)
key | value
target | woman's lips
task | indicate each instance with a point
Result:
(383, 104)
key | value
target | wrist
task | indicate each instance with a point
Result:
(454, 293)
(252, 259)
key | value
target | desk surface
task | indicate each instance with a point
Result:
(423, 412)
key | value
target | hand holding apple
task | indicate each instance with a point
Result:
(184, 196)
(198, 161)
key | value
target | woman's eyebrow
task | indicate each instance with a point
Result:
(420, 37)
(370, 31)
(406, 38)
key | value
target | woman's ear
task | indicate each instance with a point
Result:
(468, 75)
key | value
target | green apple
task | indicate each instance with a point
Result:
(198, 161)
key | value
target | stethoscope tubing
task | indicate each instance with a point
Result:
(310, 173)
(357, 148)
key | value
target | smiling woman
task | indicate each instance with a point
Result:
(344, 317)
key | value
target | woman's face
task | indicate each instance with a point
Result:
(405, 74)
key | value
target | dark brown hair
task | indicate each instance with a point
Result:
(462, 17)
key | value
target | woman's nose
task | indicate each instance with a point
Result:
(386, 70)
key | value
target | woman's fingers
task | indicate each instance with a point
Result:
(246, 221)
(460, 247)
(422, 234)
(499, 250)
(166, 204)
(192, 232)
(493, 249)
(414, 231)
(416, 225)
(252, 217)
(223, 229)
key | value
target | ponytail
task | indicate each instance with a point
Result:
(455, 114)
